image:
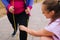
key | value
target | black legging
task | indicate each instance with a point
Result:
(21, 19)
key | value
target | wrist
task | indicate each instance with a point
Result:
(8, 6)
(30, 7)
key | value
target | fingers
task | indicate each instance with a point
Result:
(22, 28)
(27, 10)
(11, 9)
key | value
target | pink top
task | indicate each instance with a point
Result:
(54, 28)
(19, 6)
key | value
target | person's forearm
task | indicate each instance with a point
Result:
(6, 3)
(29, 3)
(37, 33)
(32, 32)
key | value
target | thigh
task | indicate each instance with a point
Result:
(46, 38)
(11, 19)
(23, 19)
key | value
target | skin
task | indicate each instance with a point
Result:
(46, 13)
(11, 9)
(27, 10)
(42, 33)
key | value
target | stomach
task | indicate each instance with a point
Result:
(18, 6)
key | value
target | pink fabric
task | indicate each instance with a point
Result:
(30, 7)
(9, 6)
(54, 28)
(19, 6)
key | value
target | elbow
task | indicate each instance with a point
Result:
(39, 35)
(2, 1)
(47, 34)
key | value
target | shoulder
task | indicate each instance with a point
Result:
(53, 25)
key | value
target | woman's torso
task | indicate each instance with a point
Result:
(19, 5)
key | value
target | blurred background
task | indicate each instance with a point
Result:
(2, 9)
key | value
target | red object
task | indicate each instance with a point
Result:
(19, 6)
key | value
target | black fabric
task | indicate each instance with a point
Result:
(23, 35)
(21, 19)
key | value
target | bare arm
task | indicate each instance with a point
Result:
(39, 33)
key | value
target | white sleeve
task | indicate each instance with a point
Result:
(54, 28)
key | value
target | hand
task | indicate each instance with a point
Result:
(27, 10)
(11, 9)
(23, 28)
